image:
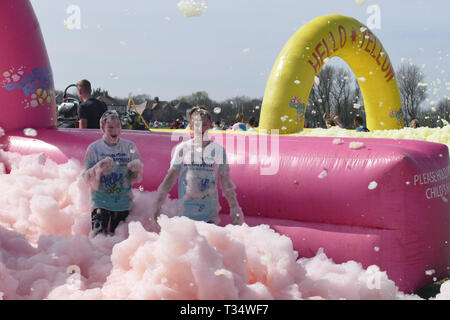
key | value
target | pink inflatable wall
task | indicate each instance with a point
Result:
(384, 204)
(26, 82)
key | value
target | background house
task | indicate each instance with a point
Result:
(162, 111)
(113, 104)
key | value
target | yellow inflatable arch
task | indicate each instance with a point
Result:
(303, 56)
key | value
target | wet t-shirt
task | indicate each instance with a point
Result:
(114, 192)
(197, 181)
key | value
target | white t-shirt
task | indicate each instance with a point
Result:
(198, 177)
(240, 126)
(114, 192)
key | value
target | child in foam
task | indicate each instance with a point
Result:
(112, 166)
(197, 163)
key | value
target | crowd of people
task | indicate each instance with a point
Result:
(333, 120)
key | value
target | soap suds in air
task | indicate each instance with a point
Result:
(373, 185)
(191, 8)
(323, 174)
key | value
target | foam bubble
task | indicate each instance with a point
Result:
(430, 272)
(29, 132)
(356, 145)
(323, 174)
(191, 8)
(373, 185)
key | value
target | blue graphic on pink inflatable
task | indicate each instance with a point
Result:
(38, 78)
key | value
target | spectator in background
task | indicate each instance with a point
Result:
(90, 110)
(332, 121)
(359, 124)
(177, 124)
(328, 121)
(217, 125)
(336, 120)
(239, 124)
(252, 124)
(414, 123)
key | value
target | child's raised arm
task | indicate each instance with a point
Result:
(228, 191)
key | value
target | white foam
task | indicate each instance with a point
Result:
(46, 251)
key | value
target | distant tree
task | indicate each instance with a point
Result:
(59, 96)
(336, 91)
(320, 96)
(224, 110)
(443, 109)
(239, 104)
(168, 114)
(99, 92)
(347, 102)
(441, 113)
(197, 98)
(413, 94)
(252, 108)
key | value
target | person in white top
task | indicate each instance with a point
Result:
(239, 125)
(197, 164)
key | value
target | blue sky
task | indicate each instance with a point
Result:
(148, 46)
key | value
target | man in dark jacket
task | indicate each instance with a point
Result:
(91, 109)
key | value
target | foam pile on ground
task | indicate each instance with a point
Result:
(46, 251)
(40, 197)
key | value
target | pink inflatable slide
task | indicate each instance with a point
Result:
(384, 202)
